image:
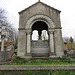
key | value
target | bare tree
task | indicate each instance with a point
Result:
(4, 24)
(66, 39)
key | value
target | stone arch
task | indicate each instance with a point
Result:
(36, 18)
(39, 26)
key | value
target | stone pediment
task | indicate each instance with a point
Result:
(37, 5)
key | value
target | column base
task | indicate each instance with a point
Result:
(52, 53)
(53, 56)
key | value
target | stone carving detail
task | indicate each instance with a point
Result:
(43, 18)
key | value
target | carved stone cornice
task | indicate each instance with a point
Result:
(21, 28)
(58, 27)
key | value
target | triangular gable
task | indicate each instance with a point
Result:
(38, 3)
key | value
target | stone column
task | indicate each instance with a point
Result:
(28, 41)
(51, 37)
(3, 34)
(21, 43)
(2, 44)
(58, 43)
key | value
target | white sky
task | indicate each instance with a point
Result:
(67, 8)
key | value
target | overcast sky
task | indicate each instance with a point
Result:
(67, 8)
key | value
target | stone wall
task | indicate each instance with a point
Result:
(37, 67)
(28, 70)
(5, 55)
(40, 48)
(44, 72)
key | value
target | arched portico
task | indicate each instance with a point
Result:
(39, 26)
(40, 23)
(40, 13)
(40, 48)
(42, 18)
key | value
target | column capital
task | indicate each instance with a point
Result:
(51, 31)
(28, 31)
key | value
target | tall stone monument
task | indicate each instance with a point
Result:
(2, 39)
(40, 17)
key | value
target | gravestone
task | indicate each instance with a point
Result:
(40, 17)
(4, 54)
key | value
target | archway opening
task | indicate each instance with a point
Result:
(42, 29)
(35, 35)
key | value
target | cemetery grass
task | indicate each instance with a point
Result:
(21, 61)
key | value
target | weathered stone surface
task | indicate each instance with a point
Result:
(37, 9)
(29, 69)
(51, 17)
(40, 48)
(58, 42)
(5, 55)
(37, 67)
(21, 43)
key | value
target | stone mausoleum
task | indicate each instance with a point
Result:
(40, 17)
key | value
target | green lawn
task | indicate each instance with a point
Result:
(21, 61)
(63, 61)
(51, 72)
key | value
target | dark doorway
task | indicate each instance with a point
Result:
(39, 26)
(39, 48)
